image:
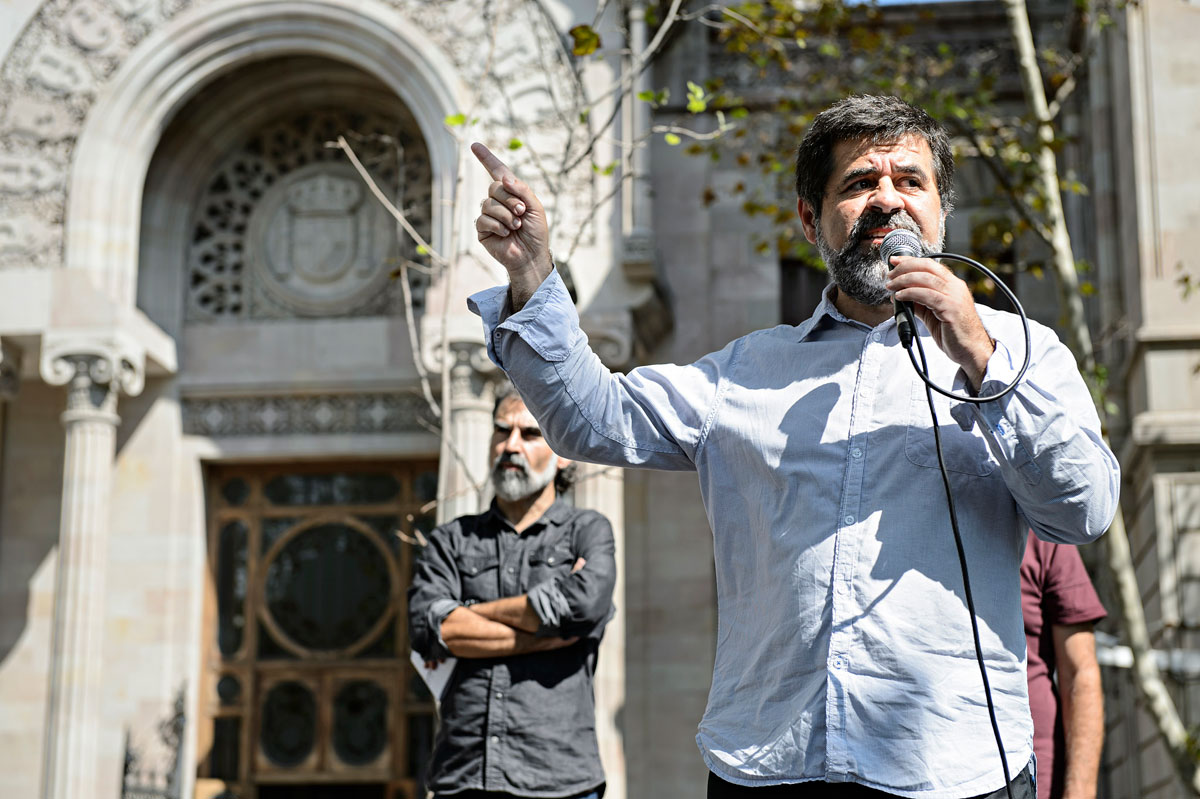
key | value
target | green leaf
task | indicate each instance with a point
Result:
(454, 120)
(586, 40)
(740, 113)
(608, 170)
(422, 249)
(515, 144)
(672, 139)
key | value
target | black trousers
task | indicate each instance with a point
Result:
(1022, 788)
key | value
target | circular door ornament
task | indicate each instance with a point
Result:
(328, 587)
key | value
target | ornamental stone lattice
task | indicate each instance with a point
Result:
(287, 228)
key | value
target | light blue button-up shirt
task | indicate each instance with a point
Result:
(844, 648)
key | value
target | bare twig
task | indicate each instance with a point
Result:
(624, 85)
(396, 213)
(418, 362)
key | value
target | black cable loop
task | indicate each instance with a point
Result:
(923, 372)
(1024, 324)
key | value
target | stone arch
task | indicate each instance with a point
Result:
(122, 131)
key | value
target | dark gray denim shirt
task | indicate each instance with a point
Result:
(523, 724)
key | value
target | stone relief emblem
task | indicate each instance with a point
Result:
(287, 228)
(316, 244)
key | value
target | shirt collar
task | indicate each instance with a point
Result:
(827, 310)
(557, 513)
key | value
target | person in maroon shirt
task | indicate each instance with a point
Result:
(1060, 608)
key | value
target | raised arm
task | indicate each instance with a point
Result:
(513, 228)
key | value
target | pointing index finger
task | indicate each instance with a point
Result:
(495, 167)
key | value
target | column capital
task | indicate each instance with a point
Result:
(10, 371)
(96, 371)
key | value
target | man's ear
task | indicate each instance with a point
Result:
(808, 218)
(563, 463)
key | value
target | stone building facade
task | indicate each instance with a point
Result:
(222, 363)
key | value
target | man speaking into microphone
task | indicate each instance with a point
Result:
(845, 665)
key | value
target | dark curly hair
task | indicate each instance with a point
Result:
(564, 478)
(880, 119)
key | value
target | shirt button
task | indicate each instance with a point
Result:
(511, 570)
(499, 694)
(876, 337)
(849, 520)
(550, 559)
(856, 452)
(495, 739)
(839, 662)
(497, 335)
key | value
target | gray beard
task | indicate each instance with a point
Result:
(513, 486)
(857, 269)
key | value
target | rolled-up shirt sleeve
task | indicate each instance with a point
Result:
(1047, 438)
(653, 417)
(580, 603)
(435, 591)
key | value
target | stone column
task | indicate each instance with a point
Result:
(467, 420)
(602, 488)
(94, 373)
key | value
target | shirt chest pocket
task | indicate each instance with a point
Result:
(480, 577)
(548, 562)
(965, 451)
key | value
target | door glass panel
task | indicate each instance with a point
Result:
(360, 722)
(289, 721)
(231, 587)
(328, 587)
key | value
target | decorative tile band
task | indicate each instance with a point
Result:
(321, 414)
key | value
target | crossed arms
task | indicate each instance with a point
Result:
(499, 628)
(551, 615)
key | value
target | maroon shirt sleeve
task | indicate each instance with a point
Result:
(1055, 589)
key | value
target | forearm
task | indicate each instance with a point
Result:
(514, 612)
(1046, 437)
(1083, 721)
(524, 283)
(1082, 699)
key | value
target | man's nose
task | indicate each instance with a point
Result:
(513, 442)
(886, 198)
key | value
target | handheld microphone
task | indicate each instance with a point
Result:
(901, 242)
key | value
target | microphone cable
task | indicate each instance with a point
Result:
(922, 369)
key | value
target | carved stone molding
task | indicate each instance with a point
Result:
(10, 371)
(318, 414)
(472, 377)
(96, 371)
(68, 53)
(638, 255)
(610, 334)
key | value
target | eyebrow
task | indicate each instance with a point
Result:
(506, 427)
(866, 171)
